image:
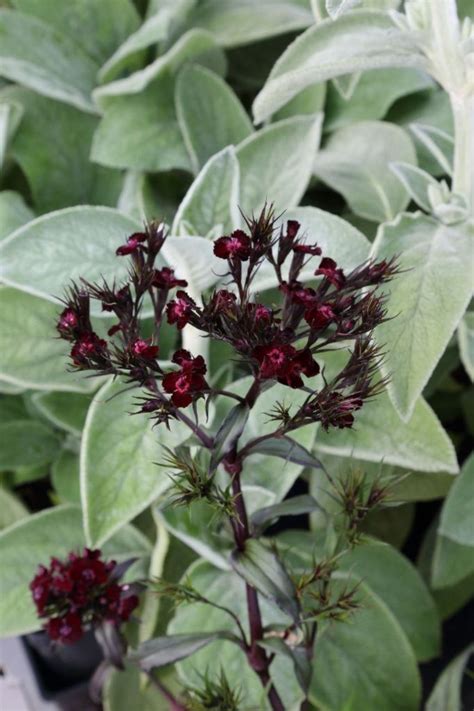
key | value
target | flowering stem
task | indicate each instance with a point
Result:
(256, 656)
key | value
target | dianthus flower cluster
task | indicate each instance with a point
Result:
(79, 593)
(320, 308)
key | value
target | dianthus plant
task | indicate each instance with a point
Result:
(284, 342)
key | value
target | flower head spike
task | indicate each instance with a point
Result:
(132, 245)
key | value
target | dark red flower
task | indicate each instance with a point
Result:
(187, 383)
(66, 629)
(126, 606)
(144, 349)
(165, 279)
(79, 592)
(292, 227)
(319, 315)
(88, 348)
(299, 294)
(284, 363)
(186, 361)
(261, 313)
(302, 363)
(328, 268)
(222, 301)
(179, 310)
(236, 246)
(132, 244)
(68, 323)
(312, 249)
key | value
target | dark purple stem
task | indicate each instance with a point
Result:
(173, 702)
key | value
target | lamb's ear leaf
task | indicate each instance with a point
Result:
(160, 651)
(439, 144)
(229, 432)
(466, 342)
(98, 231)
(291, 143)
(212, 198)
(416, 182)
(209, 113)
(14, 212)
(355, 42)
(355, 162)
(261, 568)
(240, 22)
(40, 57)
(297, 655)
(433, 257)
(446, 694)
(97, 26)
(30, 356)
(119, 452)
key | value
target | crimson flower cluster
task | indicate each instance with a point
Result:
(320, 308)
(78, 593)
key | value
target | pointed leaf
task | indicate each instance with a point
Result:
(212, 198)
(261, 568)
(284, 448)
(276, 163)
(236, 22)
(34, 54)
(439, 143)
(14, 212)
(159, 652)
(229, 432)
(295, 506)
(355, 162)
(98, 231)
(354, 42)
(446, 695)
(466, 342)
(423, 308)
(297, 655)
(119, 474)
(204, 101)
(457, 521)
(30, 355)
(379, 434)
(416, 182)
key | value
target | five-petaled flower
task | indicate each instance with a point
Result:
(79, 593)
(235, 246)
(179, 310)
(188, 383)
(284, 363)
(142, 348)
(166, 279)
(329, 269)
(133, 244)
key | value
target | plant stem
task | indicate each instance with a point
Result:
(256, 656)
(173, 702)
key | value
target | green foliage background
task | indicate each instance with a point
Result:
(113, 112)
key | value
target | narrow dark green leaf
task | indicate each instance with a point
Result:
(261, 568)
(229, 432)
(160, 651)
(292, 507)
(285, 448)
(297, 655)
